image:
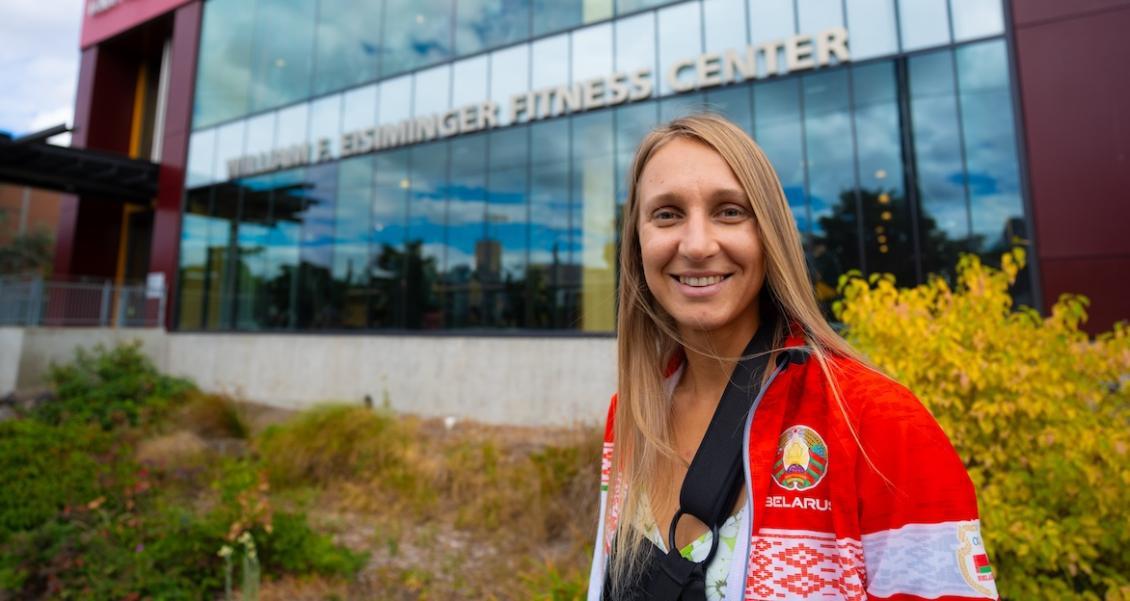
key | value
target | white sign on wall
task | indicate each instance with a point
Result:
(707, 70)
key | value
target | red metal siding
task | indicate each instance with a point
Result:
(1074, 91)
(165, 247)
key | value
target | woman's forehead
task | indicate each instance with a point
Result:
(683, 166)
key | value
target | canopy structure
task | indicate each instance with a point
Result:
(31, 161)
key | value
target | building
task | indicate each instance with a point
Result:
(456, 167)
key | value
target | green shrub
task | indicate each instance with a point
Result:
(333, 443)
(1039, 412)
(293, 547)
(46, 469)
(213, 416)
(110, 387)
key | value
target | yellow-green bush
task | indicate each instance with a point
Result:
(1038, 411)
(334, 442)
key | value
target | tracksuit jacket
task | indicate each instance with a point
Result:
(826, 522)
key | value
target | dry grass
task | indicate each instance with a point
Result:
(470, 512)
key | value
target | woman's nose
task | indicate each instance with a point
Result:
(699, 241)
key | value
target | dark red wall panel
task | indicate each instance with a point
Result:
(1102, 279)
(1032, 11)
(1074, 93)
(163, 254)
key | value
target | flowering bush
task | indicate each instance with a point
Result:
(1037, 409)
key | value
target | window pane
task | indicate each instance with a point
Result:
(229, 147)
(503, 267)
(292, 125)
(386, 241)
(871, 28)
(888, 241)
(194, 281)
(771, 20)
(976, 18)
(325, 128)
(596, 10)
(635, 43)
(592, 52)
(224, 64)
(509, 75)
(593, 219)
(818, 15)
(284, 52)
(466, 232)
(725, 24)
(352, 224)
(923, 23)
(201, 159)
(395, 103)
(681, 106)
(997, 213)
(359, 108)
(426, 237)
(316, 309)
(550, 57)
(469, 81)
(220, 263)
(627, 6)
(485, 24)
(633, 122)
(348, 44)
(831, 180)
(680, 28)
(777, 128)
(944, 218)
(417, 33)
(260, 137)
(251, 271)
(283, 238)
(734, 103)
(433, 91)
(552, 275)
(556, 15)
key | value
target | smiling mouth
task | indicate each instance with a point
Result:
(700, 282)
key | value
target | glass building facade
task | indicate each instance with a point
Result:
(894, 161)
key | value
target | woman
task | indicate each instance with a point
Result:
(850, 490)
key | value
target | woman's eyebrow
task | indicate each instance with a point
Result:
(660, 199)
(729, 195)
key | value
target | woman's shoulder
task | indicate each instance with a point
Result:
(868, 392)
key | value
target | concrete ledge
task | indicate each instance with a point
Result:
(533, 381)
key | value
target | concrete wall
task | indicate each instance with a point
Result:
(11, 347)
(535, 381)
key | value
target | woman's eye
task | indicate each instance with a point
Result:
(664, 215)
(732, 212)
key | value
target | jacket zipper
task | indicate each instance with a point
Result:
(745, 467)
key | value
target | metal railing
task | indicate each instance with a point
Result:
(39, 302)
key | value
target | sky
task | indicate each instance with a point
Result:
(39, 57)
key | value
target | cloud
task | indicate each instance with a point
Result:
(38, 63)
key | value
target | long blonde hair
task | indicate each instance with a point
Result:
(646, 334)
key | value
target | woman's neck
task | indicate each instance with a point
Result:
(710, 359)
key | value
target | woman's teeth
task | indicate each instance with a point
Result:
(699, 282)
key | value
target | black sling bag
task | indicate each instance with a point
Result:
(712, 484)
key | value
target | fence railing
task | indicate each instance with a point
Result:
(39, 302)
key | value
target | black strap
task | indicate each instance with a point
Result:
(712, 483)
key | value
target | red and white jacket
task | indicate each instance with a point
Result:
(828, 522)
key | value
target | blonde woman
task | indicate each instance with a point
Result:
(847, 488)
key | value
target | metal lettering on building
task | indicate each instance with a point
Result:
(707, 70)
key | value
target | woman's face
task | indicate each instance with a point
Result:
(702, 257)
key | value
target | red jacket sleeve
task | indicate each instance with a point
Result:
(920, 528)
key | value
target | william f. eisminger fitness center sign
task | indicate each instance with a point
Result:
(706, 70)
